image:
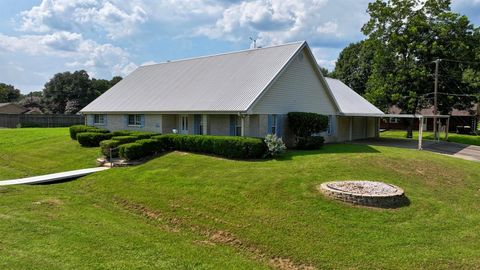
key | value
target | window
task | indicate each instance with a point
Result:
(238, 126)
(134, 120)
(202, 125)
(394, 120)
(330, 125)
(99, 119)
(273, 128)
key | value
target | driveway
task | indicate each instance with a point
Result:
(464, 151)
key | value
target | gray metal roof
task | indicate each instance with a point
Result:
(349, 102)
(219, 83)
(229, 82)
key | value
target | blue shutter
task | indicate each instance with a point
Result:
(105, 120)
(270, 124)
(90, 119)
(142, 120)
(197, 118)
(232, 125)
(126, 120)
(280, 120)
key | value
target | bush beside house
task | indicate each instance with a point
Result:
(92, 139)
(304, 125)
(76, 129)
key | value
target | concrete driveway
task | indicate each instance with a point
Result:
(464, 151)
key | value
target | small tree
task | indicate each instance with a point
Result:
(305, 124)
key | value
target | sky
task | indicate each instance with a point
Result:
(39, 38)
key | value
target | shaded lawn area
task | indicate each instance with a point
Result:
(35, 151)
(452, 137)
(190, 211)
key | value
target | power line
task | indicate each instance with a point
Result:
(460, 61)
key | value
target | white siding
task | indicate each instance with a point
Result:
(297, 89)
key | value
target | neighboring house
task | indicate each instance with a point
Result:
(457, 118)
(244, 93)
(12, 108)
(34, 110)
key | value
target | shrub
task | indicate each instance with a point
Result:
(122, 133)
(227, 146)
(144, 134)
(74, 130)
(92, 139)
(310, 143)
(106, 145)
(275, 145)
(125, 139)
(131, 151)
(305, 124)
(150, 146)
(164, 141)
(139, 134)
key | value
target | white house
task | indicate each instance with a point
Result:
(244, 93)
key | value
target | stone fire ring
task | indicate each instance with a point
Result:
(367, 193)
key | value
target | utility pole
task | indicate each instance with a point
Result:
(435, 105)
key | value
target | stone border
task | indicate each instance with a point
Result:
(390, 200)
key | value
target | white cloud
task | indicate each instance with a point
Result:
(71, 50)
(116, 19)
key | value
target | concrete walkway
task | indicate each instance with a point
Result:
(52, 177)
(464, 151)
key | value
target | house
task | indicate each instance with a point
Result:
(458, 118)
(244, 93)
(12, 108)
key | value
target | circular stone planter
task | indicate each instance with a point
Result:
(367, 193)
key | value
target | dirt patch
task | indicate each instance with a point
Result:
(49, 202)
(287, 264)
(213, 236)
(4, 189)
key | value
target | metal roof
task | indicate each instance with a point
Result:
(228, 82)
(349, 102)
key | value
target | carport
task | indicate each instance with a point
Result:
(421, 119)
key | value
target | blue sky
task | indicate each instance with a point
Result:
(39, 38)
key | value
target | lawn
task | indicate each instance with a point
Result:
(452, 137)
(190, 211)
(34, 151)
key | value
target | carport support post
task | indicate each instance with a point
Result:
(420, 132)
(446, 128)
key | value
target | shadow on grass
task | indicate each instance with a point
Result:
(337, 148)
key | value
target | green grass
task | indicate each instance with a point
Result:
(452, 137)
(166, 214)
(34, 151)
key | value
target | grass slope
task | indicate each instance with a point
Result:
(452, 137)
(191, 211)
(34, 151)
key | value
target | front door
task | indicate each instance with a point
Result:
(183, 124)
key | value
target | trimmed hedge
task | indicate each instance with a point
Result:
(310, 143)
(107, 144)
(92, 139)
(125, 139)
(76, 129)
(227, 146)
(131, 151)
(139, 134)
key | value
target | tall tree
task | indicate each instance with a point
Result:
(66, 87)
(354, 64)
(8, 93)
(412, 34)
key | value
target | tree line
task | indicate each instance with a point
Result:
(65, 93)
(394, 64)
